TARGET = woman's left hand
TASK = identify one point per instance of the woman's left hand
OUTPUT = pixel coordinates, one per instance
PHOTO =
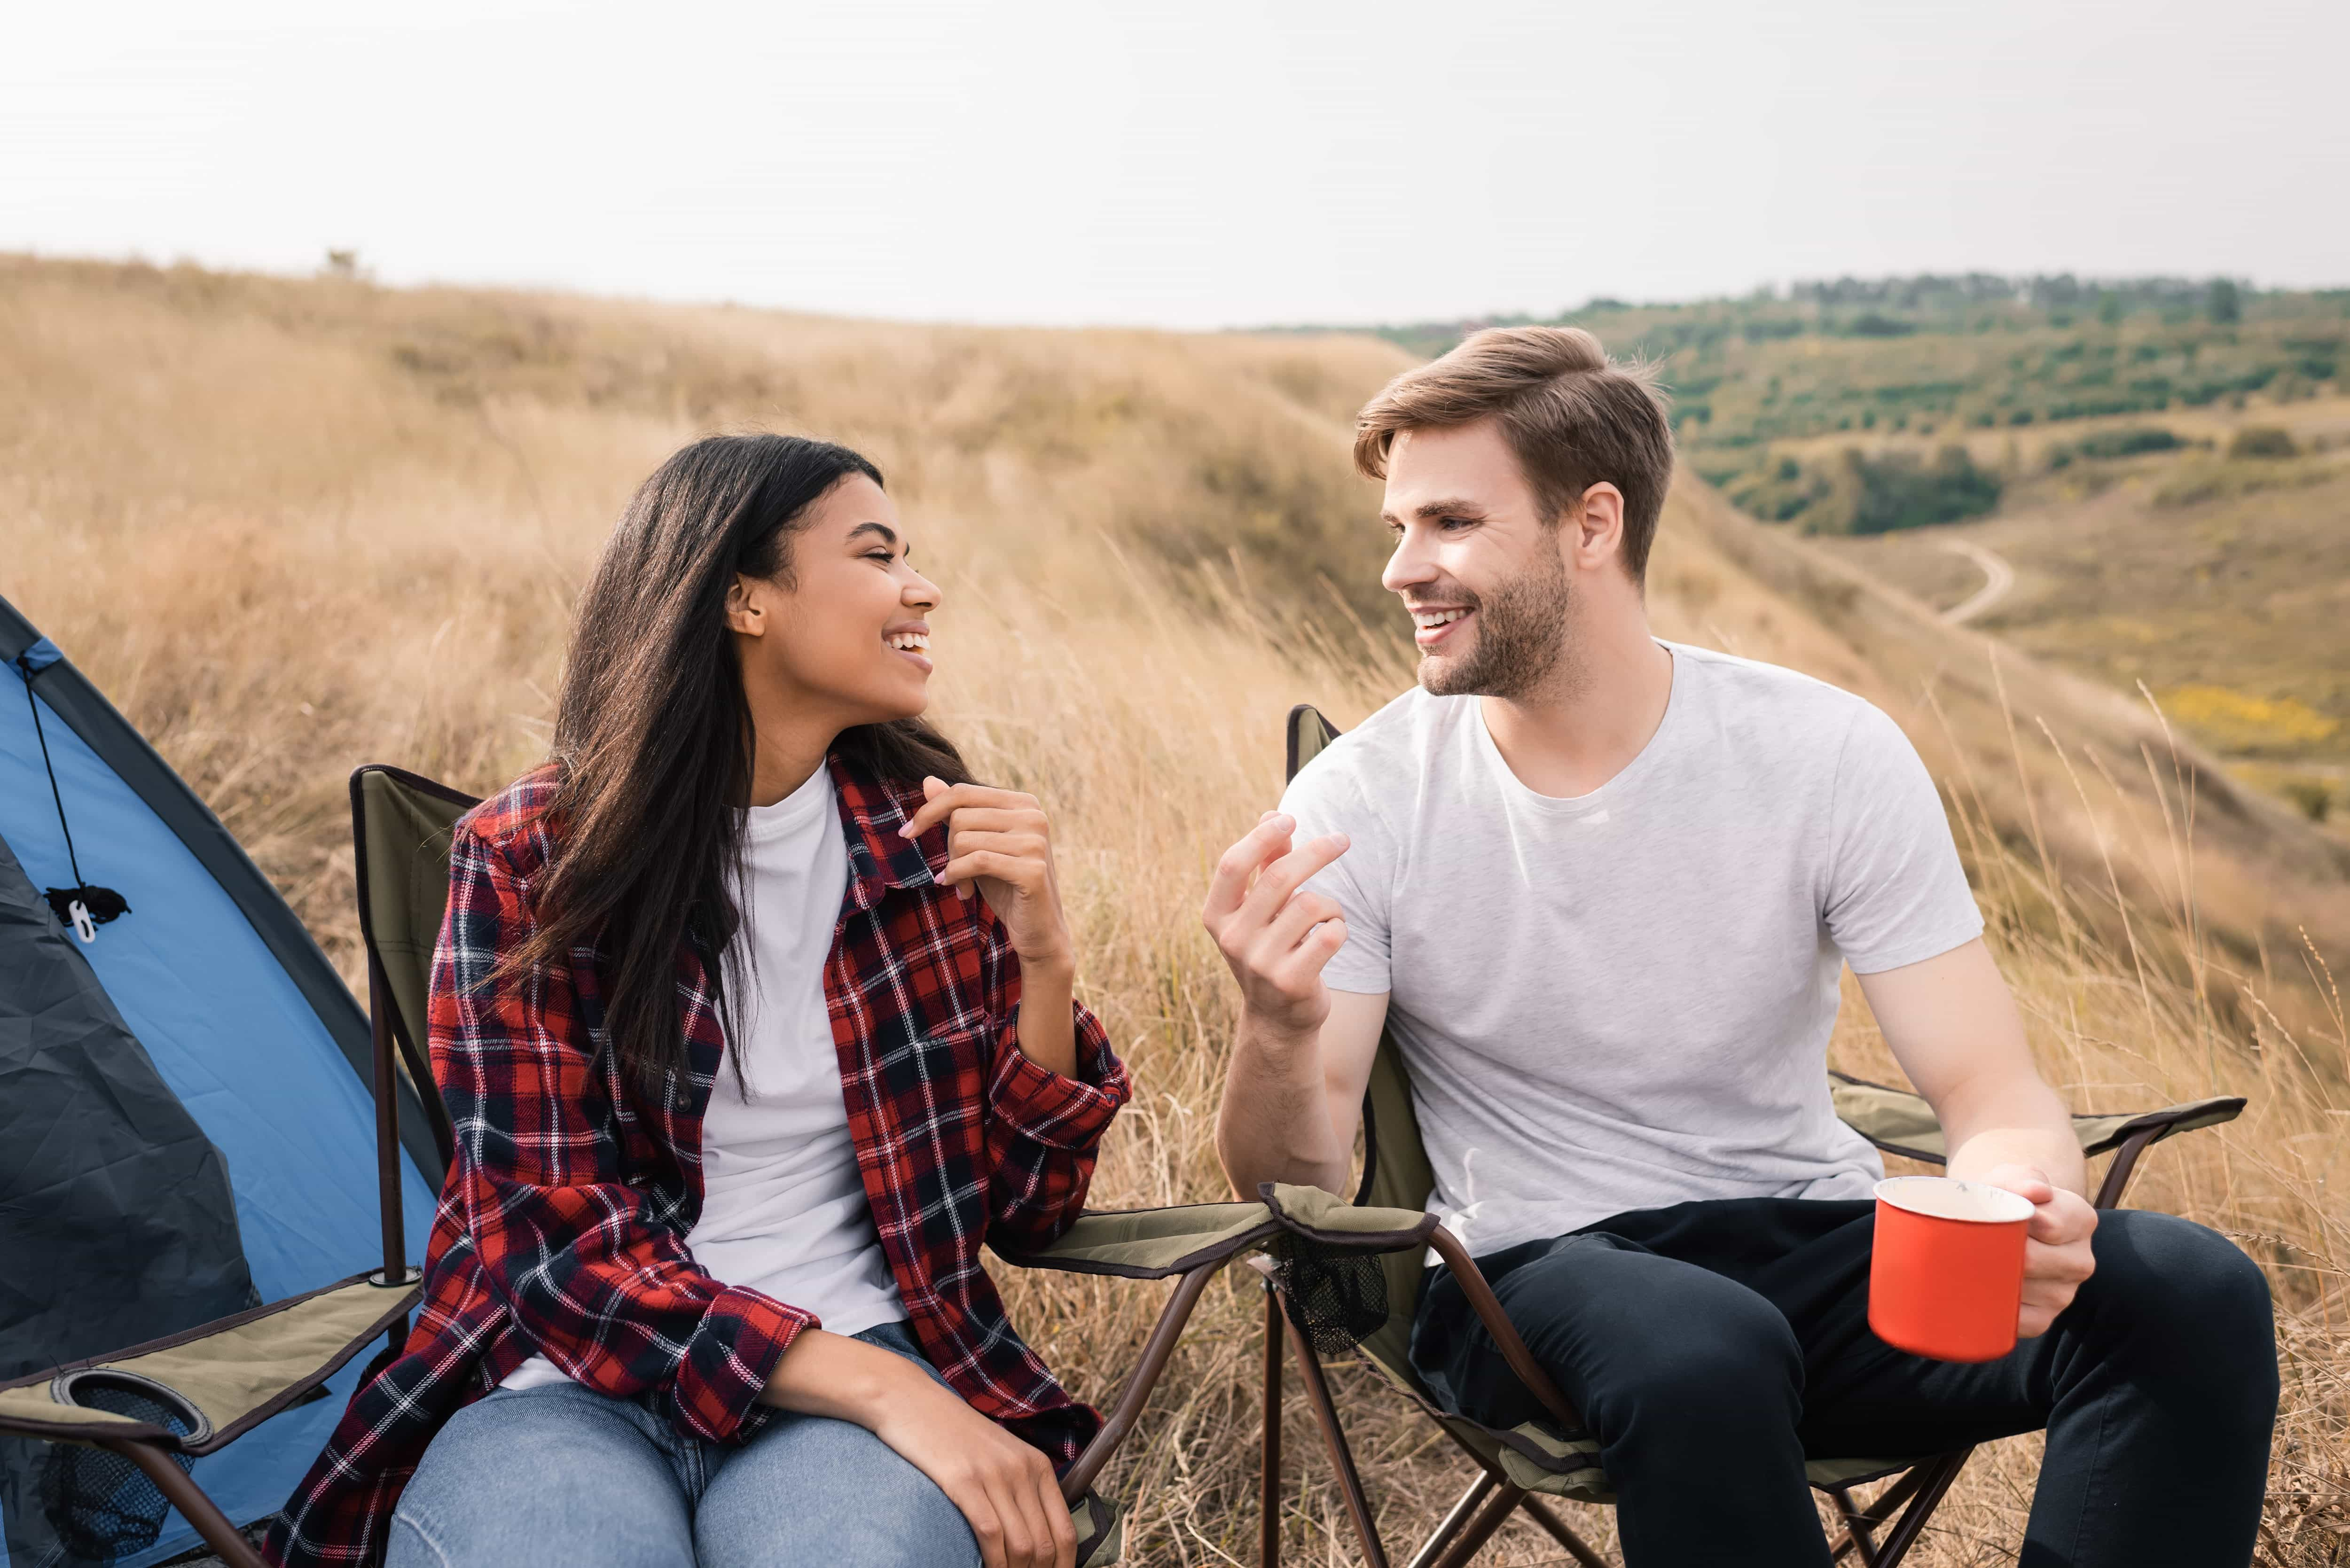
(999, 842)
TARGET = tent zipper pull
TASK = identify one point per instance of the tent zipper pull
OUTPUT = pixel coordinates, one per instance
(84, 928)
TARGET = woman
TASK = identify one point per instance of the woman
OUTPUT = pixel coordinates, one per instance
(741, 1074)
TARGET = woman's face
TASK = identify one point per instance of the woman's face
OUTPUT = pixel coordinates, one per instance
(847, 642)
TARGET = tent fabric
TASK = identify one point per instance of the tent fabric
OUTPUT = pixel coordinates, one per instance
(242, 1021)
(104, 1177)
(70, 701)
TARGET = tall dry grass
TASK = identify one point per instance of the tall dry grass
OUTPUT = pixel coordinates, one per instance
(291, 527)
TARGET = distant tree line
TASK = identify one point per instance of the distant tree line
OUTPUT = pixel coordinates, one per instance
(1933, 354)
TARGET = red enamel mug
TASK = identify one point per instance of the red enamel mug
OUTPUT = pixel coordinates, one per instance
(1946, 1273)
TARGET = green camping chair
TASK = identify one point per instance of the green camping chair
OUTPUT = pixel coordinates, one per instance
(403, 823)
(1519, 1466)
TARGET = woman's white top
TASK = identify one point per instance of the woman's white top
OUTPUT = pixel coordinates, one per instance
(783, 1211)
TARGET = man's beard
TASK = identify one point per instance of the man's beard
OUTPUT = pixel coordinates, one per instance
(1520, 638)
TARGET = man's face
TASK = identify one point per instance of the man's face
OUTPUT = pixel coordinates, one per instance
(1474, 563)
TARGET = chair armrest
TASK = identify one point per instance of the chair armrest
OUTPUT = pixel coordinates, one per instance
(2098, 1133)
(1151, 1243)
(231, 1374)
(1902, 1122)
(1334, 1225)
(1160, 1244)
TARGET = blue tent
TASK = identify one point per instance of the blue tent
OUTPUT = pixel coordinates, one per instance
(186, 1124)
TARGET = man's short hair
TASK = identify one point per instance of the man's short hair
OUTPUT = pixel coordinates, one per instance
(1573, 416)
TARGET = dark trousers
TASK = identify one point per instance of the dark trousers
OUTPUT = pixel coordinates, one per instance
(1712, 1348)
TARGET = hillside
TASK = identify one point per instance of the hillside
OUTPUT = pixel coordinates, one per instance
(291, 527)
(2217, 581)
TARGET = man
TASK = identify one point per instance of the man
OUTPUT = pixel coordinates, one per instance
(1601, 889)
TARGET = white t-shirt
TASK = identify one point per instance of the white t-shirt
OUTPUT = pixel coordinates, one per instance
(1622, 1000)
(783, 1211)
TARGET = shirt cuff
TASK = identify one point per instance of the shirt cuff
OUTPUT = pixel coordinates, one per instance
(730, 1358)
(1050, 1108)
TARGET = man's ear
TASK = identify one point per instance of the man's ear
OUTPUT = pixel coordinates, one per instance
(745, 612)
(1597, 521)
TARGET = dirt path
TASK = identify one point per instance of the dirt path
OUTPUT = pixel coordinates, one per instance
(1998, 577)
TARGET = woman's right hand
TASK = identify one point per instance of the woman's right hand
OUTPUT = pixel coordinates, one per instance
(1005, 1490)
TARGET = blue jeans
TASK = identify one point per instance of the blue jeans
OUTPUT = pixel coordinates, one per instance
(558, 1475)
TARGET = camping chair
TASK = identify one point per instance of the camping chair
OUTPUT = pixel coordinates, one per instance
(1517, 1468)
(403, 823)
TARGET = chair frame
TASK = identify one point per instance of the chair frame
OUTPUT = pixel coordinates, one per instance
(1903, 1510)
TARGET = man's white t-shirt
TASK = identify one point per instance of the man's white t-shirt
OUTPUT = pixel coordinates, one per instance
(1622, 1000)
(783, 1211)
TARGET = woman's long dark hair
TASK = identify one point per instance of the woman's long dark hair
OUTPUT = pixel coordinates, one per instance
(653, 739)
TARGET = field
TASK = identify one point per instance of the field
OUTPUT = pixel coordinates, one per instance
(292, 527)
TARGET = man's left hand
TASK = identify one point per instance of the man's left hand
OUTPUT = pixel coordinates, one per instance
(2056, 1255)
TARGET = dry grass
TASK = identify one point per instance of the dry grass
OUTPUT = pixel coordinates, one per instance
(293, 528)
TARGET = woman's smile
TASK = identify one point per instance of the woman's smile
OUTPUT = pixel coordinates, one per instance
(911, 640)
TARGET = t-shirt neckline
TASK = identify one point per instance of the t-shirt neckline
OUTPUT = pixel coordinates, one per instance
(792, 814)
(1645, 761)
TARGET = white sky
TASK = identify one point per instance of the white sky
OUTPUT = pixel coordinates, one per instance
(1197, 164)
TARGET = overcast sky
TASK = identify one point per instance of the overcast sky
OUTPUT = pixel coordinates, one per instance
(1199, 164)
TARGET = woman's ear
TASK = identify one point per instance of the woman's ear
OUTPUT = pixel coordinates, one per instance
(744, 611)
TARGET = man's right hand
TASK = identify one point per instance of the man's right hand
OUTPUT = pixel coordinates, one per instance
(1277, 938)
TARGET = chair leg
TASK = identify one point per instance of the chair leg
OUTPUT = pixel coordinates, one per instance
(1079, 1477)
(1485, 1482)
(1856, 1527)
(1540, 1512)
(179, 1490)
(1342, 1459)
(1875, 1516)
(1268, 1531)
(1489, 1519)
(1912, 1523)
(2117, 1175)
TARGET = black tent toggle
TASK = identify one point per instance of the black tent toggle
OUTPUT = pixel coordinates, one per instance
(81, 907)
(98, 905)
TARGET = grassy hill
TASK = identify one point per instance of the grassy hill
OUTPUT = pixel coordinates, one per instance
(291, 527)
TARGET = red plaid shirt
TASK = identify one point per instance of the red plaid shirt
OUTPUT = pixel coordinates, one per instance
(562, 1226)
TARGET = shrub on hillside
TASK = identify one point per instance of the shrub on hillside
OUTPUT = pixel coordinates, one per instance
(2127, 442)
(1889, 491)
(2224, 479)
(1778, 490)
(2263, 441)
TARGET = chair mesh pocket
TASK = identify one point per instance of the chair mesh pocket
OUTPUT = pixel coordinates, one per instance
(1337, 1300)
(103, 1507)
